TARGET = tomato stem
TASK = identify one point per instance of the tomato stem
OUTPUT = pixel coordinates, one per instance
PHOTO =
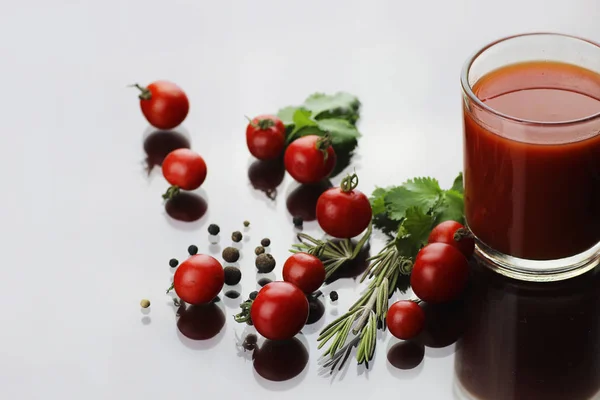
(145, 92)
(349, 183)
(171, 192)
(323, 144)
(244, 315)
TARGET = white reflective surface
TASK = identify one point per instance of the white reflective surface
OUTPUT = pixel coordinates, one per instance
(85, 233)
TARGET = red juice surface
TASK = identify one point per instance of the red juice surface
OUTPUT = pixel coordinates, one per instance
(532, 190)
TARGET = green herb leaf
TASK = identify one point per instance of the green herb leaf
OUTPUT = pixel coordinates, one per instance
(344, 135)
(451, 207)
(286, 115)
(378, 201)
(339, 106)
(458, 184)
(419, 226)
(419, 192)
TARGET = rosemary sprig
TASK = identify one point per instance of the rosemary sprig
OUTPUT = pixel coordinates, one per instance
(333, 254)
(366, 315)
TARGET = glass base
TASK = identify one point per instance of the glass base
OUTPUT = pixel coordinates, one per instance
(536, 270)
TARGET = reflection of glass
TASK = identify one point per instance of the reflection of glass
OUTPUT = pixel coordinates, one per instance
(525, 341)
(532, 145)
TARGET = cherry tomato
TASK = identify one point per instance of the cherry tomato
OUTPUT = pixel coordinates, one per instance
(440, 273)
(185, 169)
(310, 159)
(405, 319)
(265, 137)
(446, 232)
(279, 311)
(164, 104)
(199, 279)
(344, 212)
(305, 271)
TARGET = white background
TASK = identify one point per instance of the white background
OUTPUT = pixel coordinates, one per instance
(85, 235)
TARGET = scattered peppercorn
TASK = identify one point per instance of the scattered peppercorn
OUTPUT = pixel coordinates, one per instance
(266, 242)
(259, 250)
(193, 250)
(233, 275)
(145, 303)
(232, 294)
(333, 296)
(173, 262)
(298, 222)
(265, 263)
(236, 236)
(264, 281)
(231, 254)
(214, 229)
(246, 223)
(253, 295)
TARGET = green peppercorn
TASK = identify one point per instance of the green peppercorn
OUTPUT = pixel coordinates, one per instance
(236, 236)
(214, 229)
(233, 275)
(173, 262)
(259, 250)
(231, 254)
(193, 250)
(265, 263)
(145, 303)
(246, 223)
(266, 242)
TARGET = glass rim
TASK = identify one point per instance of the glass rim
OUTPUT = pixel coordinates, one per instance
(467, 89)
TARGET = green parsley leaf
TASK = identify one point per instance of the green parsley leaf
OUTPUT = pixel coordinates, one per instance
(286, 115)
(458, 184)
(344, 135)
(339, 106)
(419, 192)
(378, 201)
(414, 231)
(451, 207)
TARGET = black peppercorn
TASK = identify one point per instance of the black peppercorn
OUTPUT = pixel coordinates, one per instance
(214, 229)
(193, 250)
(333, 296)
(253, 295)
(231, 254)
(298, 222)
(265, 263)
(173, 262)
(246, 223)
(259, 250)
(236, 236)
(233, 275)
(266, 242)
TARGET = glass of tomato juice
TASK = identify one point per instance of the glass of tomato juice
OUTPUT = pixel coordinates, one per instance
(531, 108)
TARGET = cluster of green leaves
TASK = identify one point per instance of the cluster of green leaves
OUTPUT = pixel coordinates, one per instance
(409, 212)
(322, 114)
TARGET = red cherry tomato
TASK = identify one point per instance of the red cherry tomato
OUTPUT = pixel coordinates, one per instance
(265, 137)
(305, 159)
(184, 168)
(344, 212)
(440, 273)
(445, 233)
(198, 279)
(405, 319)
(279, 311)
(164, 104)
(305, 271)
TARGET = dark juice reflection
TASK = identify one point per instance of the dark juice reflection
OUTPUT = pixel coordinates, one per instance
(531, 190)
(527, 341)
